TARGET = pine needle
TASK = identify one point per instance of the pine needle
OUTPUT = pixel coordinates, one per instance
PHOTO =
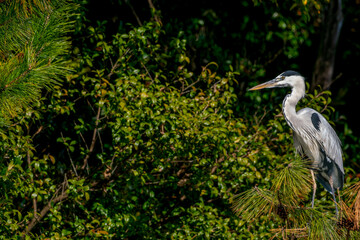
(253, 203)
(290, 186)
(323, 227)
(293, 181)
(33, 48)
(353, 210)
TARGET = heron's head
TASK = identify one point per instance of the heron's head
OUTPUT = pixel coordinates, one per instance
(286, 79)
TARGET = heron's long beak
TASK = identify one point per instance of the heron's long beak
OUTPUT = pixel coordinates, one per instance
(269, 84)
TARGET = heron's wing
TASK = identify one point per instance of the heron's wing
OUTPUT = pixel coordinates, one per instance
(297, 144)
(319, 140)
(316, 129)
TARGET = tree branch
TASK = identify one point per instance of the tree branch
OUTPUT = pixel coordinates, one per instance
(16, 79)
(324, 65)
(32, 182)
(44, 211)
(147, 71)
(93, 141)
(157, 18)
(133, 12)
(67, 149)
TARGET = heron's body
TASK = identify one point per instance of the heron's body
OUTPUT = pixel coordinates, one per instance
(313, 135)
(323, 149)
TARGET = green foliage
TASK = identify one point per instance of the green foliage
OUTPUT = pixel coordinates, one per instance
(135, 144)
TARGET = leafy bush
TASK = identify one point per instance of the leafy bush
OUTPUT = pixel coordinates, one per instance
(136, 145)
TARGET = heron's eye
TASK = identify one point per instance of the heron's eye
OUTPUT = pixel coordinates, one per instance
(282, 77)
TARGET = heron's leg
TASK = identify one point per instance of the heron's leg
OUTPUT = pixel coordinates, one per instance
(313, 197)
(314, 187)
(338, 192)
(333, 194)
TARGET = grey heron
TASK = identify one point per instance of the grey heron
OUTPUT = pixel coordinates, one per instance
(312, 134)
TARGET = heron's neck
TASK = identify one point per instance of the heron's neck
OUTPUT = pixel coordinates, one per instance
(290, 101)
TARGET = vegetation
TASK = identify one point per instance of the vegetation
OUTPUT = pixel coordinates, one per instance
(143, 129)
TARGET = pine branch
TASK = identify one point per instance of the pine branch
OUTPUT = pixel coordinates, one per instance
(253, 203)
(293, 181)
(33, 46)
(291, 185)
